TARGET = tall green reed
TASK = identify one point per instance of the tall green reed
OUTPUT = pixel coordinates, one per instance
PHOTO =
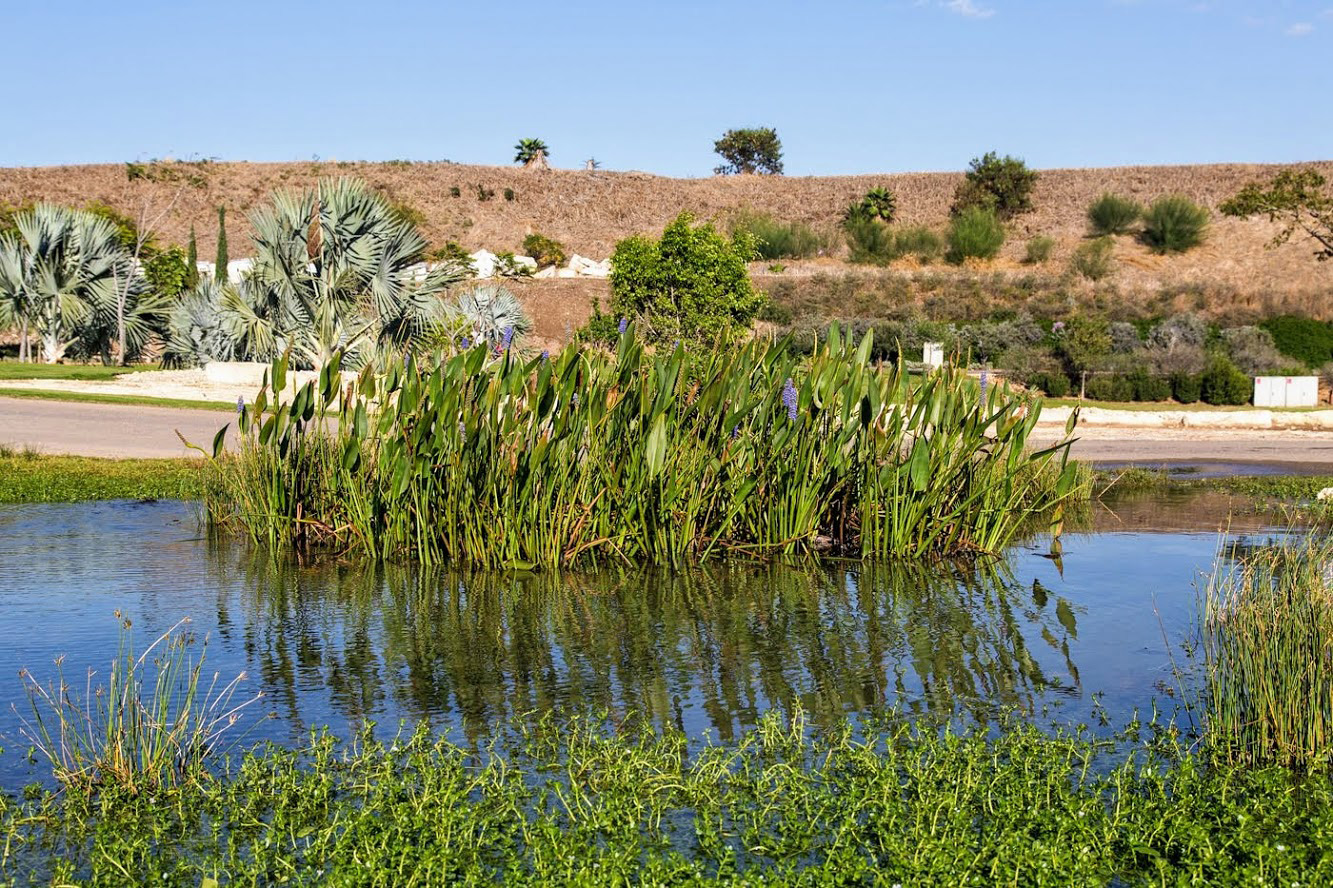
(584, 456)
(155, 722)
(1267, 641)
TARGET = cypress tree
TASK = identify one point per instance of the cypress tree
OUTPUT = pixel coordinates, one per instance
(220, 271)
(191, 262)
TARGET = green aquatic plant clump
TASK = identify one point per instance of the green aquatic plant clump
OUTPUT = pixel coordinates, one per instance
(575, 804)
(1267, 640)
(490, 458)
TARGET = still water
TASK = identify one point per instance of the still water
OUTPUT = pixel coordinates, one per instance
(707, 650)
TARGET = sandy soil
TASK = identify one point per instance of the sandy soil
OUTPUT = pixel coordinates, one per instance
(186, 385)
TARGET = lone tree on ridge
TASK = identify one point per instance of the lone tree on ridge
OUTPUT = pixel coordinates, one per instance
(757, 150)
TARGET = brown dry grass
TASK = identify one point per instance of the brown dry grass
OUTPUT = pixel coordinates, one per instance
(590, 211)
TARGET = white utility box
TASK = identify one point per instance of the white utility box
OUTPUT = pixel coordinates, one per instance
(1286, 391)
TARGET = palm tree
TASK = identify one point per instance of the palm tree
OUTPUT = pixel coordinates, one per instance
(335, 270)
(531, 152)
(61, 275)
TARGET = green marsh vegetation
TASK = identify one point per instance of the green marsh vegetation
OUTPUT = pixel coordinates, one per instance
(490, 458)
(589, 803)
(156, 722)
(1267, 643)
(27, 476)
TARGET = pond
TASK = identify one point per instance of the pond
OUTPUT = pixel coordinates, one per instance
(707, 650)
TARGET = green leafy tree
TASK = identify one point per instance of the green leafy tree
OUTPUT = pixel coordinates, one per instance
(529, 152)
(220, 263)
(1298, 200)
(1000, 184)
(757, 150)
(692, 283)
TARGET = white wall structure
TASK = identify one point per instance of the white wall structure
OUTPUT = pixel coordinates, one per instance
(932, 354)
(1286, 391)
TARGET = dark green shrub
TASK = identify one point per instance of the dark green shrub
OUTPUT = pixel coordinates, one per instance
(779, 240)
(455, 191)
(974, 233)
(918, 241)
(1000, 184)
(1109, 387)
(1112, 214)
(168, 272)
(756, 150)
(1053, 383)
(1039, 249)
(1093, 259)
(1150, 388)
(1224, 383)
(875, 243)
(692, 283)
(1305, 339)
(1186, 387)
(509, 194)
(878, 203)
(545, 250)
(1174, 224)
(452, 251)
(870, 242)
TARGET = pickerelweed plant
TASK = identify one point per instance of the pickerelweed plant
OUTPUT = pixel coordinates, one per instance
(487, 457)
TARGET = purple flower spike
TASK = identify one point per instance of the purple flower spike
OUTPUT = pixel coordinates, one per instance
(466, 343)
(546, 354)
(508, 337)
(624, 322)
(240, 405)
(1058, 327)
(789, 399)
(983, 383)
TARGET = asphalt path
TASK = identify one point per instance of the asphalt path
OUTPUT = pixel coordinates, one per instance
(117, 430)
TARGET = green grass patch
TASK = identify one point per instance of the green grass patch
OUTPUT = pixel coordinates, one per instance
(28, 477)
(132, 400)
(88, 372)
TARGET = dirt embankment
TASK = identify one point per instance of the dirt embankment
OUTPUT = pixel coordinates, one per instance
(494, 207)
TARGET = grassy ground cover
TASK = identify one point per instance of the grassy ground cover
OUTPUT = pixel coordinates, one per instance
(28, 477)
(576, 805)
(30, 370)
(93, 398)
(496, 460)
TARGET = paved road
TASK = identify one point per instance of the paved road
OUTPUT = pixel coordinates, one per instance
(117, 430)
(106, 429)
(1295, 451)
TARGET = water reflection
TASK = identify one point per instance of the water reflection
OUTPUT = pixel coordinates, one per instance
(703, 648)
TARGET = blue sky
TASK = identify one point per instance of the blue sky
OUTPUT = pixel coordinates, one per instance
(851, 85)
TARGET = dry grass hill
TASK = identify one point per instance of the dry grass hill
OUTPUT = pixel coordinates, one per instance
(494, 207)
